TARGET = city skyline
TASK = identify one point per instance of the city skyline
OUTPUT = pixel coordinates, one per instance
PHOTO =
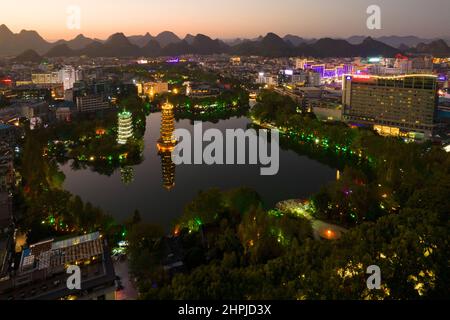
(250, 18)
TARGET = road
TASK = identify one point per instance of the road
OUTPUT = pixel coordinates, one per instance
(129, 292)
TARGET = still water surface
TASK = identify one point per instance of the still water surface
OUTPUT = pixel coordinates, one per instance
(298, 177)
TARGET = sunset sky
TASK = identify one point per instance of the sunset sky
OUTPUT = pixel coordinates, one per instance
(228, 19)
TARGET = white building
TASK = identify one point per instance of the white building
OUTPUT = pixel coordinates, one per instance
(68, 77)
(266, 79)
(79, 74)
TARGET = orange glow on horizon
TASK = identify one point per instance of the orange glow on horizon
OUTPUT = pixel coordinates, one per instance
(251, 18)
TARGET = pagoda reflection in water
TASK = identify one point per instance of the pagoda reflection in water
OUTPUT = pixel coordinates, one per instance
(127, 175)
(166, 145)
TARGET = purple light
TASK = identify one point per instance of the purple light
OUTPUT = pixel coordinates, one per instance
(319, 69)
(173, 60)
(329, 73)
(348, 192)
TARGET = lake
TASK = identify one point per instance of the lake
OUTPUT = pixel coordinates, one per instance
(298, 177)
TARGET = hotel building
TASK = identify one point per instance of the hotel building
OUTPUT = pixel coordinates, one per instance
(91, 103)
(396, 105)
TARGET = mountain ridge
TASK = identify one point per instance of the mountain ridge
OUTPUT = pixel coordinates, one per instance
(168, 43)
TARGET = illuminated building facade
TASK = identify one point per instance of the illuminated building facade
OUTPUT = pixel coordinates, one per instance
(397, 105)
(46, 78)
(125, 127)
(150, 89)
(235, 61)
(166, 145)
(91, 103)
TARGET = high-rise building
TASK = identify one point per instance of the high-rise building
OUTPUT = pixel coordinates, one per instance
(125, 127)
(6, 166)
(68, 77)
(6, 213)
(79, 74)
(91, 103)
(314, 79)
(396, 105)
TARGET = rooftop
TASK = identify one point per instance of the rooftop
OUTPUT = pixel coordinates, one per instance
(4, 126)
(41, 273)
(52, 254)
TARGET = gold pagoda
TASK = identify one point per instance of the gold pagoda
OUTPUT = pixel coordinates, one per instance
(166, 145)
(167, 141)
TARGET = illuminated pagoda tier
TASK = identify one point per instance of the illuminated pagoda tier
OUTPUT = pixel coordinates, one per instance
(127, 175)
(167, 140)
(166, 145)
(125, 127)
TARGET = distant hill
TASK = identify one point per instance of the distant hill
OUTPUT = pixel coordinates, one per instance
(167, 37)
(205, 45)
(438, 48)
(396, 41)
(393, 41)
(141, 41)
(28, 56)
(177, 48)
(117, 45)
(294, 40)
(168, 43)
(337, 48)
(78, 43)
(372, 47)
(189, 38)
(16, 43)
(151, 49)
(271, 45)
(61, 50)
